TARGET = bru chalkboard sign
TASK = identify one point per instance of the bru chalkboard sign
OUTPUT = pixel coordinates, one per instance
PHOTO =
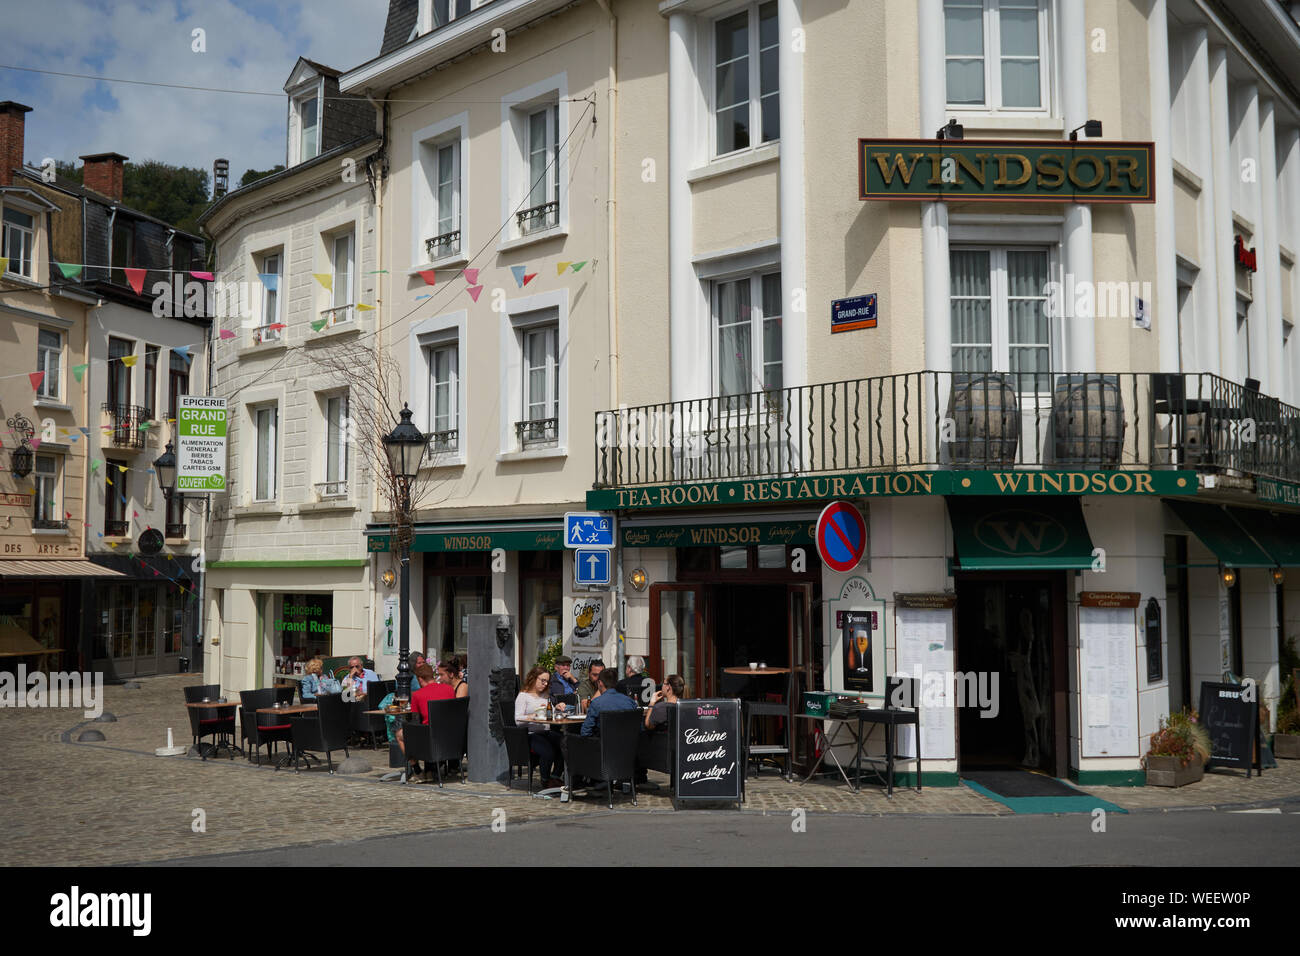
(1233, 725)
(709, 762)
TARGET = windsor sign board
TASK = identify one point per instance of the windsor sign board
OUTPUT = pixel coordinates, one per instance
(201, 438)
(994, 170)
(708, 759)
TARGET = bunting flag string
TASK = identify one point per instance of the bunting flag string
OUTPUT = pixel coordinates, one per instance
(325, 279)
(36, 378)
(318, 324)
(69, 270)
(471, 276)
(519, 274)
(80, 370)
(474, 292)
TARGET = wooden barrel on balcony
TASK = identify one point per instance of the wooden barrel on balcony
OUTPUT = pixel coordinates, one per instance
(985, 416)
(1088, 420)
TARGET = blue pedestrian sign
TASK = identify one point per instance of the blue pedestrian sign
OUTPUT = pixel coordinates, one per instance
(588, 529)
(591, 566)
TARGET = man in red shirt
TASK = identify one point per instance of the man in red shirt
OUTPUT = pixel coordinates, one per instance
(430, 689)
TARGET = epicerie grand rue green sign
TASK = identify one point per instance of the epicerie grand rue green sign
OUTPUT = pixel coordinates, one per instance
(201, 444)
(995, 170)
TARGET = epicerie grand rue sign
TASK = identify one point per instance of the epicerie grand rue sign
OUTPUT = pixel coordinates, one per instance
(996, 170)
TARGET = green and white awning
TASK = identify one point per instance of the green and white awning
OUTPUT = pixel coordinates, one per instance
(1020, 533)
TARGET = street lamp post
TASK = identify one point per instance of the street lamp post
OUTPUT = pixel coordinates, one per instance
(405, 446)
(164, 467)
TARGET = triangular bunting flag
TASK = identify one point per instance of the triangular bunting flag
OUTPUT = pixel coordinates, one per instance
(325, 279)
(276, 325)
(100, 533)
(184, 352)
(226, 334)
(135, 277)
(377, 272)
(74, 438)
(270, 279)
(144, 426)
(67, 514)
(519, 274)
(94, 465)
(36, 443)
(202, 276)
(4, 264)
(318, 324)
(530, 277)
(561, 266)
(122, 469)
(84, 430)
(471, 276)
(474, 291)
(109, 479)
(577, 266)
(130, 360)
(135, 514)
(79, 371)
(69, 271)
(362, 307)
(429, 276)
(36, 378)
(427, 295)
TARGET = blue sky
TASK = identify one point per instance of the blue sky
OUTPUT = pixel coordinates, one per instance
(250, 45)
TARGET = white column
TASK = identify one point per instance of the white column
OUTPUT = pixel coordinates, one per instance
(1080, 325)
(688, 342)
(1269, 276)
(1165, 308)
(794, 327)
(1253, 201)
(1203, 147)
(934, 215)
(1220, 143)
(1290, 139)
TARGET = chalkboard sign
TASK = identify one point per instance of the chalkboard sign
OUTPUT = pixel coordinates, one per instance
(710, 766)
(1233, 725)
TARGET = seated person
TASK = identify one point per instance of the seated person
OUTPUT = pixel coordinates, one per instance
(564, 685)
(542, 740)
(610, 698)
(587, 687)
(450, 674)
(430, 689)
(311, 680)
(358, 676)
(637, 685)
(656, 715)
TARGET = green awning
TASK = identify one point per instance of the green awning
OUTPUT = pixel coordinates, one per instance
(996, 533)
(1277, 534)
(525, 535)
(1221, 534)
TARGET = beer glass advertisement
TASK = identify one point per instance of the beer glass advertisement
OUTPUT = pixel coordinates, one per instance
(859, 629)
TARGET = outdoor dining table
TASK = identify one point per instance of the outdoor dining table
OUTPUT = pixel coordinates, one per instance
(827, 744)
(221, 739)
(288, 710)
(763, 708)
(566, 724)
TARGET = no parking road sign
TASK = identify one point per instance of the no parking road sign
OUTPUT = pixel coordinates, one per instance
(841, 536)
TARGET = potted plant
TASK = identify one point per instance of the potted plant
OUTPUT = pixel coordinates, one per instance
(1179, 751)
(1286, 740)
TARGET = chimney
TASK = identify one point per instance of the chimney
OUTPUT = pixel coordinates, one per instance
(12, 122)
(102, 172)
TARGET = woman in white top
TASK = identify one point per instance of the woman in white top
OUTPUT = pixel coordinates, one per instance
(542, 740)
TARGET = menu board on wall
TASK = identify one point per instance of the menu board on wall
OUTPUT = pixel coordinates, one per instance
(1108, 681)
(925, 651)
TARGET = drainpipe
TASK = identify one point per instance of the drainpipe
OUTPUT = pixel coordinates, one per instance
(611, 208)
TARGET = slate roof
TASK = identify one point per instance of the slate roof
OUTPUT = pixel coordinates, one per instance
(402, 17)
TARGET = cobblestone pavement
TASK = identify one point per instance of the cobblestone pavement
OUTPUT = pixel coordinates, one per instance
(67, 803)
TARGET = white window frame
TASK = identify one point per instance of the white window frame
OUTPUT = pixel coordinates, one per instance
(520, 315)
(336, 422)
(425, 144)
(452, 349)
(548, 332)
(262, 334)
(426, 337)
(272, 410)
(51, 387)
(55, 511)
(999, 311)
(992, 57)
(425, 23)
(516, 181)
(758, 360)
(28, 235)
(341, 297)
(312, 89)
(709, 74)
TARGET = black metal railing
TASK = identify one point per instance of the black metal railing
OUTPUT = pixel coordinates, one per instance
(123, 425)
(447, 244)
(50, 524)
(538, 218)
(340, 315)
(332, 489)
(115, 529)
(445, 442)
(171, 530)
(538, 431)
(969, 420)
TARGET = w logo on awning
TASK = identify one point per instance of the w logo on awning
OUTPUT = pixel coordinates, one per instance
(1021, 533)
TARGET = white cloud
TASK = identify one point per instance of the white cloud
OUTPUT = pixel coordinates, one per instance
(249, 47)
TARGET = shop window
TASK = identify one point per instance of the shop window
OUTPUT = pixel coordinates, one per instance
(996, 54)
(457, 584)
(302, 627)
(746, 90)
(541, 601)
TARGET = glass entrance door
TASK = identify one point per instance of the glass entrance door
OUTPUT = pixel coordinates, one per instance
(805, 657)
(675, 629)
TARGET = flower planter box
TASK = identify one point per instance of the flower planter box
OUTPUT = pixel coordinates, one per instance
(1168, 772)
(1286, 746)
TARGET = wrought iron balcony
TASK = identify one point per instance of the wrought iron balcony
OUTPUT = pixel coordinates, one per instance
(171, 530)
(966, 420)
(446, 442)
(538, 218)
(439, 247)
(122, 424)
(342, 315)
(537, 432)
(50, 524)
(115, 529)
(265, 334)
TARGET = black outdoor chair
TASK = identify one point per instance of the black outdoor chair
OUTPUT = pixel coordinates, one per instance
(204, 723)
(519, 753)
(612, 755)
(325, 730)
(654, 749)
(443, 738)
(372, 725)
(249, 701)
(282, 695)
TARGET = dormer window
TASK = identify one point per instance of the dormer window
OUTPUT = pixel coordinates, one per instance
(309, 122)
(439, 13)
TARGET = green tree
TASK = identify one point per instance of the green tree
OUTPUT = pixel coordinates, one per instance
(253, 175)
(174, 194)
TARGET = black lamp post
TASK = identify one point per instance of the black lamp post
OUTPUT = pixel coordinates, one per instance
(405, 446)
(164, 467)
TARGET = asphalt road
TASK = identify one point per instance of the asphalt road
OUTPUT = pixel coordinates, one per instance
(711, 838)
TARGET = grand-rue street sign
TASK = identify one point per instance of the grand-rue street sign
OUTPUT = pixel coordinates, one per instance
(893, 484)
(994, 170)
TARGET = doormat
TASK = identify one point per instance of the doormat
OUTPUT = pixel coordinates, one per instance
(1025, 792)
